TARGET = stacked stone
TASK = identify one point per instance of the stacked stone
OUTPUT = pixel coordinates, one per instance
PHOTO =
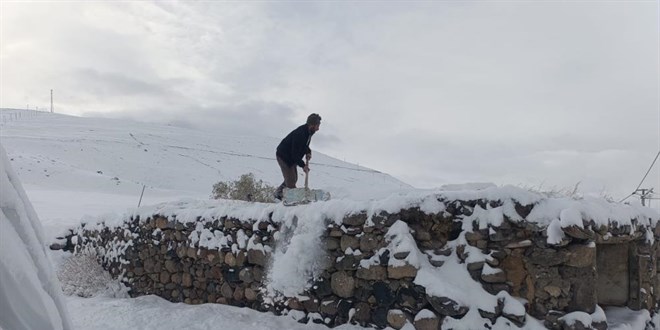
(161, 260)
(557, 279)
(346, 292)
(359, 283)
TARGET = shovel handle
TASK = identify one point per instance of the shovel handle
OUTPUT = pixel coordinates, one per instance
(307, 175)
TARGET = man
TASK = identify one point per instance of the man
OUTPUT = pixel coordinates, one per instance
(291, 151)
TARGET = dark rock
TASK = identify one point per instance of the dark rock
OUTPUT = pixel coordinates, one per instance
(343, 307)
(348, 262)
(383, 294)
(322, 288)
(547, 257)
(579, 233)
(231, 275)
(369, 243)
(362, 313)
(186, 280)
(227, 291)
(411, 297)
(599, 325)
(379, 316)
(329, 307)
(384, 258)
(448, 307)
(347, 241)
(257, 257)
(245, 275)
(401, 255)
(491, 315)
(331, 243)
(239, 293)
(355, 219)
(311, 305)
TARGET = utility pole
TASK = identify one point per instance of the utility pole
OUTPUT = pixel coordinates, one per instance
(645, 194)
(51, 101)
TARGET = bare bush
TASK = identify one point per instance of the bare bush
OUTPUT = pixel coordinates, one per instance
(246, 188)
(554, 191)
(82, 275)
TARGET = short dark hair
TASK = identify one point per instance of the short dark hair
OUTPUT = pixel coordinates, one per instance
(314, 119)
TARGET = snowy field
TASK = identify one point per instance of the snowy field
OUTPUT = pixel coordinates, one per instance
(73, 168)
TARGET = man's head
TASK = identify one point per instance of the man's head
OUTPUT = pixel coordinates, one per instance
(314, 122)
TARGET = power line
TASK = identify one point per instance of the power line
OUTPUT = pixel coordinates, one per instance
(644, 178)
(647, 172)
(621, 201)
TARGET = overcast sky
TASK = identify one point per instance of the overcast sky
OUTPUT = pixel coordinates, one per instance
(544, 94)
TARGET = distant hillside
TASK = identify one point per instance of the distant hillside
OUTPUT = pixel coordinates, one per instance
(67, 153)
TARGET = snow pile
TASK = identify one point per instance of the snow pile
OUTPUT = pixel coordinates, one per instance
(298, 256)
(30, 295)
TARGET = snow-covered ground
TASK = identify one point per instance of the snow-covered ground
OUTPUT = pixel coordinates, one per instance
(74, 167)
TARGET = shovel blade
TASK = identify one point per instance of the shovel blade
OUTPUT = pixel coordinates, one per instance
(297, 196)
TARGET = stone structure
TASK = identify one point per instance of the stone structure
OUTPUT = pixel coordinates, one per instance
(369, 273)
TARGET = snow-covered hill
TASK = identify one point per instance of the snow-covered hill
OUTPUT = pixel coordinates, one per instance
(73, 166)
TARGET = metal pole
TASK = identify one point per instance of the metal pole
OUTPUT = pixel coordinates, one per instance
(51, 101)
(140, 202)
(643, 195)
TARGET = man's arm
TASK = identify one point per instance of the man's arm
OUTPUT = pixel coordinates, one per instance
(297, 145)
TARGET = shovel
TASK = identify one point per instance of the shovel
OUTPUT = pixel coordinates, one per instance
(298, 196)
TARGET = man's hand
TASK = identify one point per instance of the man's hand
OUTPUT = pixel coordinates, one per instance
(308, 156)
(306, 169)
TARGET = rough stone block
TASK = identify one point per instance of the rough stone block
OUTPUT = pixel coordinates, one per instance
(376, 273)
(400, 272)
(343, 285)
(396, 318)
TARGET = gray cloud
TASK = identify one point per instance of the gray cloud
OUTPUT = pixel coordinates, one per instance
(434, 93)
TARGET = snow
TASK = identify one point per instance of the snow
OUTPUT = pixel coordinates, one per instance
(570, 217)
(511, 305)
(425, 314)
(154, 313)
(30, 295)
(298, 257)
(485, 218)
(623, 318)
(555, 233)
(69, 165)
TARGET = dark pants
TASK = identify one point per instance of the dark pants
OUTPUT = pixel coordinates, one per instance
(290, 174)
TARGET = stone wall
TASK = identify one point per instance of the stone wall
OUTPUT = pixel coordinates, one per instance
(370, 263)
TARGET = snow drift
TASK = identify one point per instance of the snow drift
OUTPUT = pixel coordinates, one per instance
(30, 295)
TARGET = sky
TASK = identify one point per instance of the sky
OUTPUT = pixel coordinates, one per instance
(542, 94)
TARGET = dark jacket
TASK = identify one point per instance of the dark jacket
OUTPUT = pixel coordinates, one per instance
(295, 145)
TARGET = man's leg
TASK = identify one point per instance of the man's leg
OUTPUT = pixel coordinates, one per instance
(290, 175)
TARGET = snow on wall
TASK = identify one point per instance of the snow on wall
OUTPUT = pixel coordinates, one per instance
(545, 210)
(30, 294)
(443, 276)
